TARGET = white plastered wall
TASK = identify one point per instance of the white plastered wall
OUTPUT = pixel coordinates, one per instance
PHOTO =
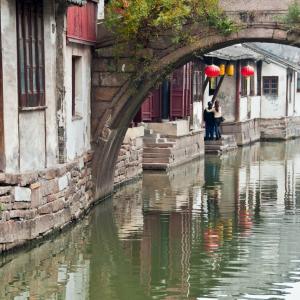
(274, 107)
(78, 127)
(31, 136)
(297, 100)
(10, 84)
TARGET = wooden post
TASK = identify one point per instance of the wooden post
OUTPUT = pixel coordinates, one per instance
(238, 91)
(217, 89)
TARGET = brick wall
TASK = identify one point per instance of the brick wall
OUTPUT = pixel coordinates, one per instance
(37, 203)
(130, 160)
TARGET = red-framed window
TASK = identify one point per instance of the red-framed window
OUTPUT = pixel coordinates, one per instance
(31, 67)
(81, 22)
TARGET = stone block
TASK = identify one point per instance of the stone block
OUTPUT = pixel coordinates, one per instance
(105, 93)
(63, 183)
(45, 209)
(112, 79)
(41, 225)
(22, 194)
(81, 163)
(22, 214)
(4, 190)
(35, 185)
(58, 205)
(28, 178)
(21, 205)
(37, 199)
(48, 174)
(49, 187)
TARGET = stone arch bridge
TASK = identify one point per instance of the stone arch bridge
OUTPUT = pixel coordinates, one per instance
(117, 96)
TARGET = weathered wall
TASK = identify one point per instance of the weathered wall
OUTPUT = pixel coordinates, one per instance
(78, 126)
(280, 128)
(274, 106)
(129, 163)
(37, 203)
(245, 132)
(227, 95)
(32, 142)
(10, 84)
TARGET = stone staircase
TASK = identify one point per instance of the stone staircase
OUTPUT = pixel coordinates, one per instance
(225, 144)
(157, 152)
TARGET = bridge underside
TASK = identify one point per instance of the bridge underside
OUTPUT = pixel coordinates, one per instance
(118, 94)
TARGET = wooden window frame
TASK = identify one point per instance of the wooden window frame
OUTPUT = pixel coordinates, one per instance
(31, 53)
(252, 86)
(298, 82)
(268, 80)
(244, 86)
(259, 77)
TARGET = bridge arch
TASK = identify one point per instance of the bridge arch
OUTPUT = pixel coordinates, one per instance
(117, 96)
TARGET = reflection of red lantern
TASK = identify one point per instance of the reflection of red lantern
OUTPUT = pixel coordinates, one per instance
(212, 71)
(247, 71)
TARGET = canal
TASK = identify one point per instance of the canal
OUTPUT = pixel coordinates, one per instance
(221, 228)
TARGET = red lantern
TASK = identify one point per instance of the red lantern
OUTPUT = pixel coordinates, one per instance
(212, 71)
(247, 71)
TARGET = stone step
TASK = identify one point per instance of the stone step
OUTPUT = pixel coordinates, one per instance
(153, 155)
(152, 140)
(148, 131)
(160, 145)
(216, 147)
(155, 166)
(157, 159)
(157, 150)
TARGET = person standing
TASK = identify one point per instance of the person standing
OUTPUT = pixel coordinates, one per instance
(218, 119)
(209, 119)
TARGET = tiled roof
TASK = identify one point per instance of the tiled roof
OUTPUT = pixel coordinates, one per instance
(77, 2)
(235, 52)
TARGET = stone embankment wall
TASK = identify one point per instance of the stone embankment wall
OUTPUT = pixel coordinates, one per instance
(280, 128)
(130, 161)
(35, 204)
(263, 129)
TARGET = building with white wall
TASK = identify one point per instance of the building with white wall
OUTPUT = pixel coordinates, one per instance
(264, 105)
(46, 52)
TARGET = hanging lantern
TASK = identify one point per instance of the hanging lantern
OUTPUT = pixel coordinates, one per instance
(222, 69)
(247, 71)
(212, 71)
(230, 70)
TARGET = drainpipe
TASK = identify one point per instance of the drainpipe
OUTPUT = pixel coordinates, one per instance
(238, 91)
(60, 19)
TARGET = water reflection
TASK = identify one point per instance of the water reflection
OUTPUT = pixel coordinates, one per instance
(220, 228)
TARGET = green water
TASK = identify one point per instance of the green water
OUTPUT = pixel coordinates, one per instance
(219, 228)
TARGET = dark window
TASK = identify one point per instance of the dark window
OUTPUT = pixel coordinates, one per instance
(76, 86)
(244, 86)
(73, 85)
(298, 82)
(259, 68)
(252, 89)
(197, 85)
(30, 36)
(270, 85)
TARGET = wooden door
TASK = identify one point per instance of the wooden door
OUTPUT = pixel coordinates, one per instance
(156, 105)
(177, 94)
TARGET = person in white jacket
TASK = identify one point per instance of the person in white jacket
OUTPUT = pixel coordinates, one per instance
(218, 119)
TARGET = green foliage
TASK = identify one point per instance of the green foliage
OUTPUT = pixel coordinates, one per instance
(293, 16)
(139, 21)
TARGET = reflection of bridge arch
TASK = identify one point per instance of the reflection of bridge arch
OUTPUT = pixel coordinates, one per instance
(117, 97)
